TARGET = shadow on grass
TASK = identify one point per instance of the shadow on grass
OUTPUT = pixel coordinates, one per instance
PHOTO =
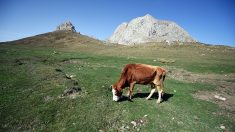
(124, 98)
(165, 97)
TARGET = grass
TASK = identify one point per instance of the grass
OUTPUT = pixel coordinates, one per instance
(30, 91)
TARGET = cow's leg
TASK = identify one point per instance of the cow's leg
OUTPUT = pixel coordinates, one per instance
(128, 92)
(158, 83)
(160, 91)
(151, 93)
(162, 87)
(131, 89)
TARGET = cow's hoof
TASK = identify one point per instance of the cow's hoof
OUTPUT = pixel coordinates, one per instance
(147, 98)
(158, 101)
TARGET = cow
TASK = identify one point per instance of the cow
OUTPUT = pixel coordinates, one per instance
(140, 74)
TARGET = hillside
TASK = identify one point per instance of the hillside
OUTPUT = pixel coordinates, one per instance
(59, 81)
(56, 38)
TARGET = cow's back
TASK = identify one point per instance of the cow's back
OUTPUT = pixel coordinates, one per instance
(139, 73)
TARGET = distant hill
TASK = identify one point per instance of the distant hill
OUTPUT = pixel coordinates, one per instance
(56, 38)
(65, 34)
(148, 29)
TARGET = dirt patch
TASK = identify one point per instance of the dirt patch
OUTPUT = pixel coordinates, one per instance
(22, 61)
(163, 60)
(223, 96)
(224, 93)
(72, 61)
(73, 89)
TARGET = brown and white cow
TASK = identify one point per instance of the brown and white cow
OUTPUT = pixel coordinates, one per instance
(140, 74)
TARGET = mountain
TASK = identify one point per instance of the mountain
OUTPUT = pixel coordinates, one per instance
(148, 29)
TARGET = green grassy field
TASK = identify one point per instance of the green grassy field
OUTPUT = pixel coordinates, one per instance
(34, 77)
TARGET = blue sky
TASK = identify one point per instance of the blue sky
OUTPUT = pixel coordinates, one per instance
(208, 21)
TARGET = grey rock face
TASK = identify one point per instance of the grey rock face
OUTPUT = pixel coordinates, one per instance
(148, 29)
(66, 26)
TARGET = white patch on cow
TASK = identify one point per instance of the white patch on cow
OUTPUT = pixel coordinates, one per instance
(151, 93)
(115, 97)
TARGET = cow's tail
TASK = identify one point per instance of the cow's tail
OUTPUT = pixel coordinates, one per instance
(164, 75)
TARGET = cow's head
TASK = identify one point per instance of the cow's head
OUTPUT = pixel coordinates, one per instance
(116, 93)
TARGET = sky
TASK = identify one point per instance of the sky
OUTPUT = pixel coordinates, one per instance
(207, 21)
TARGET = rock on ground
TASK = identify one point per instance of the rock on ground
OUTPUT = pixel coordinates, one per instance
(66, 26)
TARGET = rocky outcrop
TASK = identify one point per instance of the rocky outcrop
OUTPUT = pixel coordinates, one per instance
(66, 26)
(148, 29)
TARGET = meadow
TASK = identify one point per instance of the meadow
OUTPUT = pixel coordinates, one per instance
(35, 73)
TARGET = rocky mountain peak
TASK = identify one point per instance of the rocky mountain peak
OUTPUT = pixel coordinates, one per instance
(66, 26)
(148, 17)
(148, 29)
